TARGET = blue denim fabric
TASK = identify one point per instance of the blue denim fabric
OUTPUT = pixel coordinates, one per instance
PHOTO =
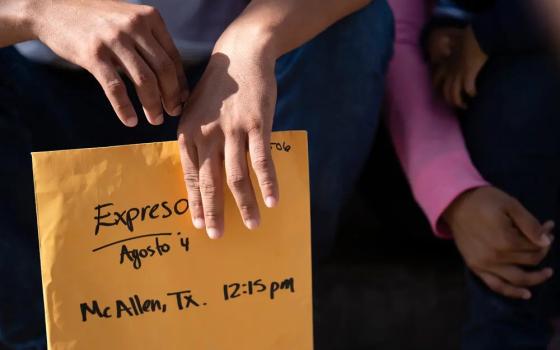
(450, 9)
(511, 130)
(332, 87)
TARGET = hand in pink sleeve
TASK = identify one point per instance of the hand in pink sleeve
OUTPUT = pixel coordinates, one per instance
(430, 145)
(425, 132)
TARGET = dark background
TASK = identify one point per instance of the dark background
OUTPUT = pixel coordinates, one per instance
(391, 284)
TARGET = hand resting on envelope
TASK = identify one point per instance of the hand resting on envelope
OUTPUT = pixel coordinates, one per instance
(229, 113)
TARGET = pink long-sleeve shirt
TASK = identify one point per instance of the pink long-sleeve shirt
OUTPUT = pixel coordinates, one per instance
(426, 133)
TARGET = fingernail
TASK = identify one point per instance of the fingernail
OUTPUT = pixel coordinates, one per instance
(213, 233)
(251, 224)
(159, 119)
(270, 201)
(177, 111)
(131, 122)
(198, 223)
(546, 239)
(526, 295)
(549, 272)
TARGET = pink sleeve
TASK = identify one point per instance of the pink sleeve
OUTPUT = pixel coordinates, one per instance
(425, 132)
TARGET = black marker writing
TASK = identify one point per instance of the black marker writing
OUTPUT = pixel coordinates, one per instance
(127, 217)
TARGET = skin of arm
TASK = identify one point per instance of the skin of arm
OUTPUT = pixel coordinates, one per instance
(230, 112)
(277, 27)
(15, 23)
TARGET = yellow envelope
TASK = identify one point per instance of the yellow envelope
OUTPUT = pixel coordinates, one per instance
(123, 267)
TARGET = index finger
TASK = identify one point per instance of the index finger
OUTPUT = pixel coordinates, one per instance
(164, 38)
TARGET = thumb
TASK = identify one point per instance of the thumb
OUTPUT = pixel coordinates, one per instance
(528, 224)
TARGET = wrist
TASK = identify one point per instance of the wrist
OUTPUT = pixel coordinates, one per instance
(28, 18)
(456, 205)
(249, 42)
(17, 19)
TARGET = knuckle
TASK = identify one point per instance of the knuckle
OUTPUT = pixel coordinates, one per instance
(186, 133)
(267, 182)
(195, 204)
(135, 21)
(533, 260)
(496, 255)
(502, 246)
(97, 50)
(522, 279)
(145, 79)
(211, 214)
(479, 264)
(191, 179)
(196, 208)
(499, 252)
(531, 280)
(254, 125)
(246, 208)
(488, 259)
(116, 87)
(261, 163)
(122, 105)
(237, 181)
(538, 258)
(208, 130)
(182, 136)
(115, 36)
(507, 292)
(497, 287)
(207, 187)
(541, 255)
(232, 133)
(150, 11)
(164, 66)
(211, 133)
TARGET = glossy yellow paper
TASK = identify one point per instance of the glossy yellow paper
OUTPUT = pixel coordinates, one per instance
(123, 267)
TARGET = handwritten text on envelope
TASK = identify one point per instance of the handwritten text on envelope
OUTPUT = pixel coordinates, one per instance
(123, 267)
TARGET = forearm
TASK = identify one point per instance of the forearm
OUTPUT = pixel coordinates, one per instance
(425, 132)
(274, 27)
(16, 21)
